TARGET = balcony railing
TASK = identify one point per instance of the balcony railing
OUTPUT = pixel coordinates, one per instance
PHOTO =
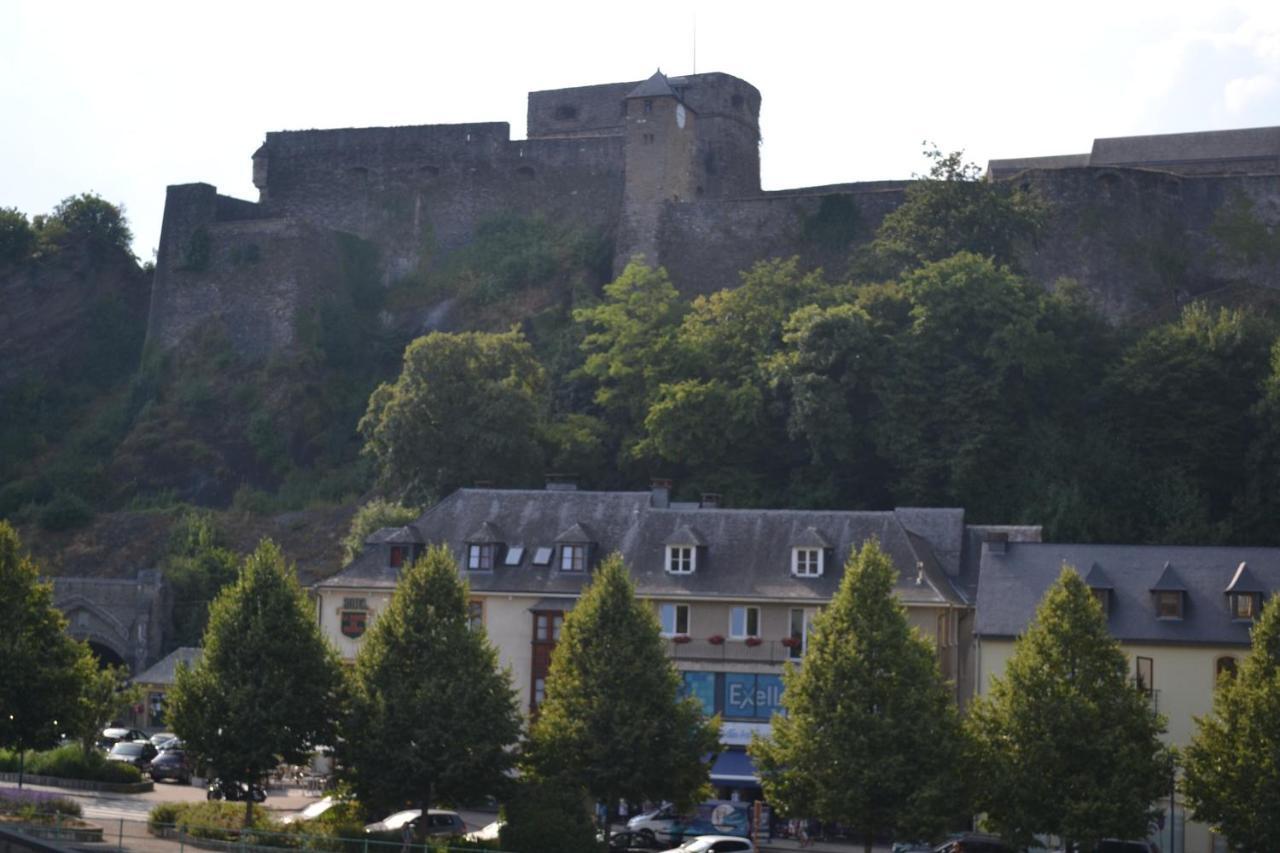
(731, 651)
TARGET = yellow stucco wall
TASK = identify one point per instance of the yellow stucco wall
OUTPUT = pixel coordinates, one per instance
(1183, 678)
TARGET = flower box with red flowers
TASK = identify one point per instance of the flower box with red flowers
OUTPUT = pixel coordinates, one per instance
(715, 640)
(754, 641)
(681, 638)
(791, 642)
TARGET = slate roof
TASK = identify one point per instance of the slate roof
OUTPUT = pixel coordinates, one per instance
(655, 87)
(165, 670)
(486, 533)
(1011, 586)
(747, 551)
(1242, 143)
(1097, 578)
(393, 535)
(1244, 581)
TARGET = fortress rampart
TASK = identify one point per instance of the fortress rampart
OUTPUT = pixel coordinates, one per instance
(667, 169)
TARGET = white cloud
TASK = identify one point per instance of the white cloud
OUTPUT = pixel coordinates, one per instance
(1241, 92)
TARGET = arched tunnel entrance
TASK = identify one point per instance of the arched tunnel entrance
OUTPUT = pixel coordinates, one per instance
(106, 655)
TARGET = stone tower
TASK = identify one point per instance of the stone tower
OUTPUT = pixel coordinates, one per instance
(661, 149)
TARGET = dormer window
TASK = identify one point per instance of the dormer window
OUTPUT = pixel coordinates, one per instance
(1244, 594)
(1244, 606)
(398, 555)
(807, 562)
(1168, 604)
(573, 558)
(480, 556)
(682, 559)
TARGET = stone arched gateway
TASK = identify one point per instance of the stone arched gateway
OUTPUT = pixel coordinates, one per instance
(123, 620)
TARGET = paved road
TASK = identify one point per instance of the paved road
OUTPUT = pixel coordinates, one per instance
(110, 806)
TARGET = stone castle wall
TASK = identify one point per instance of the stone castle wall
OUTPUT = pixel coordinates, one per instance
(1138, 237)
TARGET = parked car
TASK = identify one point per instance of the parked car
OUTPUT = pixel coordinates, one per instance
(136, 752)
(715, 844)
(172, 763)
(312, 811)
(1114, 845)
(160, 739)
(973, 842)
(439, 822)
(713, 817)
(488, 832)
(114, 734)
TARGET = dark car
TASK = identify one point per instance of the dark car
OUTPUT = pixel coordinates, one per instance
(113, 735)
(171, 764)
(628, 840)
(136, 752)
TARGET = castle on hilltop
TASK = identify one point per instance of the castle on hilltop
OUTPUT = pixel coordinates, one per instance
(667, 169)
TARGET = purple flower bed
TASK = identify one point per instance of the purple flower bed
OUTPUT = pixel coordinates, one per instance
(13, 800)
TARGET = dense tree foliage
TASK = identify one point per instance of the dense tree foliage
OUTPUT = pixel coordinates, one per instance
(1066, 745)
(465, 407)
(613, 722)
(105, 693)
(1231, 776)
(871, 734)
(952, 209)
(197, 566)
(268, 686)
(431, 717)
(41, 668)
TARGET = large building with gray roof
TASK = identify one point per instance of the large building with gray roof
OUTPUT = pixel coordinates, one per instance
(734, 589)
(1182, 615)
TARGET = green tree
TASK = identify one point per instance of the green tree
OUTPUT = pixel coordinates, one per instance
(871, 731)
(1231, 776)
(17, 237)
(268, 686)
(431, 716)
(89, 216)
(949, 210)
(371, 517)
(197, 567)
(1067, 745)
(630, 343)
(613, 722)
(40, 666)
(105, 692)
(547, 817)
(465, 407)
(1180, 398)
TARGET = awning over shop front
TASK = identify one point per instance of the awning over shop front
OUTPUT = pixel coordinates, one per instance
(734, 767)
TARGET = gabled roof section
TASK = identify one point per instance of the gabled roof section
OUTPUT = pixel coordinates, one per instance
(1097, 578)
(811, 537)
(394, 536)
(1169, 581)
(930, 571)
(686, 535)
(486, 533)
(576, 534)
(1244, 581)
(165, 670)
(655, 87)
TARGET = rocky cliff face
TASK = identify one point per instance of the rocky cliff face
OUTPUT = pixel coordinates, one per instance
(70, 312)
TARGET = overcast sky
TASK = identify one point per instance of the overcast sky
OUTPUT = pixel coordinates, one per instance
(124, 98)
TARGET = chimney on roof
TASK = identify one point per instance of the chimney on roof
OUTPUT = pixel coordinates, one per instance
(659, 493)
(996, 542)
(710, 500)
(562, 482)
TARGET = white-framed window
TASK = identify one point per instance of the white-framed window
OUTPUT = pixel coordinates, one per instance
(674, 618)
(744, 622)
(573, 558)
(806, 562)
(682, 559)
(480, 557)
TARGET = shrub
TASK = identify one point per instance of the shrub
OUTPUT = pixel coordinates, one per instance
(70, 762)
(17, 237)
(13, 801)
(66, 511)
(546, 818)
(91, 216)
